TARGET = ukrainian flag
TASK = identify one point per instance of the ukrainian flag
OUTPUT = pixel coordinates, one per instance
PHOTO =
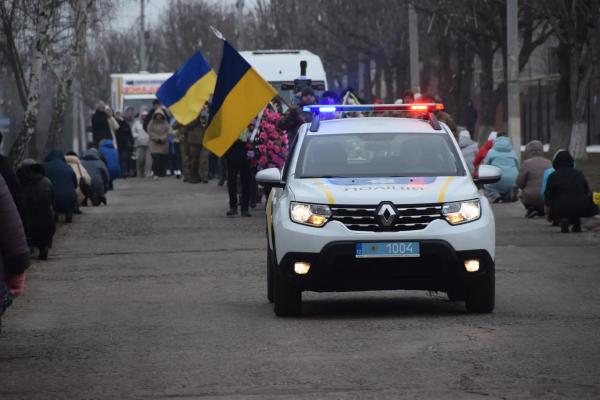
(239, 97)
(186, 92)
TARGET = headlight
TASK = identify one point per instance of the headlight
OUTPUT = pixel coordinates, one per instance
(462, 211)
(309, 214)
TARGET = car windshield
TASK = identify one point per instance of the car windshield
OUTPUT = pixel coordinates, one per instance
(378, 155)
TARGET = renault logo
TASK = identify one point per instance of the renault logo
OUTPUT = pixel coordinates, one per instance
(386, 214)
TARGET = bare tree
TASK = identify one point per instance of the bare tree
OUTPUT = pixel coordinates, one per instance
(78, 24)
(43, 16)
(576, 25)
(481, 25)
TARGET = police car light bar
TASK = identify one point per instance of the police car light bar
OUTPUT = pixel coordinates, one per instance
(420, 108)
(374, 107)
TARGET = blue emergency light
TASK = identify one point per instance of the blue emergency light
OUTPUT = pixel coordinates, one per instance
(419, 109)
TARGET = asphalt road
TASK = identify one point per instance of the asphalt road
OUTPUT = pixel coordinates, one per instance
(159, 296)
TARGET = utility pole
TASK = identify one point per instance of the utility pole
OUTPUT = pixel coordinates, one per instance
(513, 92)
(143, 63)
(413, 40)
(239, 16)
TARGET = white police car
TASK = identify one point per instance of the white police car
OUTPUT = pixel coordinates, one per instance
(378, 204)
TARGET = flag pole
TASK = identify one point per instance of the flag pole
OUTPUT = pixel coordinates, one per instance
(217, 33)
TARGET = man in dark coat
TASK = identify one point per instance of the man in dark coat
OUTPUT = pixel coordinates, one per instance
(295, 117)
(14, 252)
(100, 123)
(237, 162)
(8, 173)
(568, 194)
(64, 182)
(100, 177)
(124, 144)
(38, 194)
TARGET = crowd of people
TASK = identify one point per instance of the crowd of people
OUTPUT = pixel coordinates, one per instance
(552, 189)
(38, 195)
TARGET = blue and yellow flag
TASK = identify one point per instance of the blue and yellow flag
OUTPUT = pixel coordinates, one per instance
(241, 93)
(186, 92)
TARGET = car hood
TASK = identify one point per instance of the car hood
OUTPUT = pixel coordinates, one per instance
(372, 191)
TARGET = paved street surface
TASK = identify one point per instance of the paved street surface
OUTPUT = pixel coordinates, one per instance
(159, 295)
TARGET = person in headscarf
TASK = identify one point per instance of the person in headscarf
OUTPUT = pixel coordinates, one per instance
(38, 195)
(502, 155)
(530, 178)
(568, 194)
(64, 182)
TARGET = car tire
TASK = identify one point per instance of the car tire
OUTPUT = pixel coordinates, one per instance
(270, 261)
(481, 294)
(288, 298)
(456, 295)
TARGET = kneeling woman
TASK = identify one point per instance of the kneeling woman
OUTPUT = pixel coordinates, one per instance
(568, 194)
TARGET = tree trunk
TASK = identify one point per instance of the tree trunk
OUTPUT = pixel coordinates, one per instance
(389, 83)
(58, 114)
(377, 78)
(581, 75)
(488, 101)
(562, 126)
(80, 12)
(578, 141)
(43, 18)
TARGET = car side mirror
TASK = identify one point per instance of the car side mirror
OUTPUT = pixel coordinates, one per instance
(487, 174)
(270, 177)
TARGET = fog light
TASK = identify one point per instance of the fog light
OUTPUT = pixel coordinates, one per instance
(301, 268)
(472, 265)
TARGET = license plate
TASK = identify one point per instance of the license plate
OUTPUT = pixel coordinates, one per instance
(387, 249)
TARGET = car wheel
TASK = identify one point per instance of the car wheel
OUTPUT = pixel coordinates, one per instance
(288, 298)
(270, 275)
(456, 295)
(481, 294)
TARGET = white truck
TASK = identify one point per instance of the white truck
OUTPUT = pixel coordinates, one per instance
(282, 69)
(135, 90)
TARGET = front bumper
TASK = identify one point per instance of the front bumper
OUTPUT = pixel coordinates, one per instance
(439, 268)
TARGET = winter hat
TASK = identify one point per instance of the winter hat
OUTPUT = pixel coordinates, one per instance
(535, 148)
(493, 135)
(307, 92)
(563, 159)
(464, 134)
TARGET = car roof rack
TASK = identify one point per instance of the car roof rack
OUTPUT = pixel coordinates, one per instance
(419, 109)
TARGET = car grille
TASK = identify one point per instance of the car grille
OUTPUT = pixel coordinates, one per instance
(409, 217)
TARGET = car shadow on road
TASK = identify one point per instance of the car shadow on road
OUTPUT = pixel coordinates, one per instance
(381, 307)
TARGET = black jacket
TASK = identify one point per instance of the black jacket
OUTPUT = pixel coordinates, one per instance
(568, 194)
(38, 196)
(124, 137)
(100, 126)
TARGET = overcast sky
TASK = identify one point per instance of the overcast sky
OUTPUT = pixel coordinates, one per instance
(128, 11)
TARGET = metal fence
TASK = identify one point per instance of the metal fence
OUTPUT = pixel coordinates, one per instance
(538, 110)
